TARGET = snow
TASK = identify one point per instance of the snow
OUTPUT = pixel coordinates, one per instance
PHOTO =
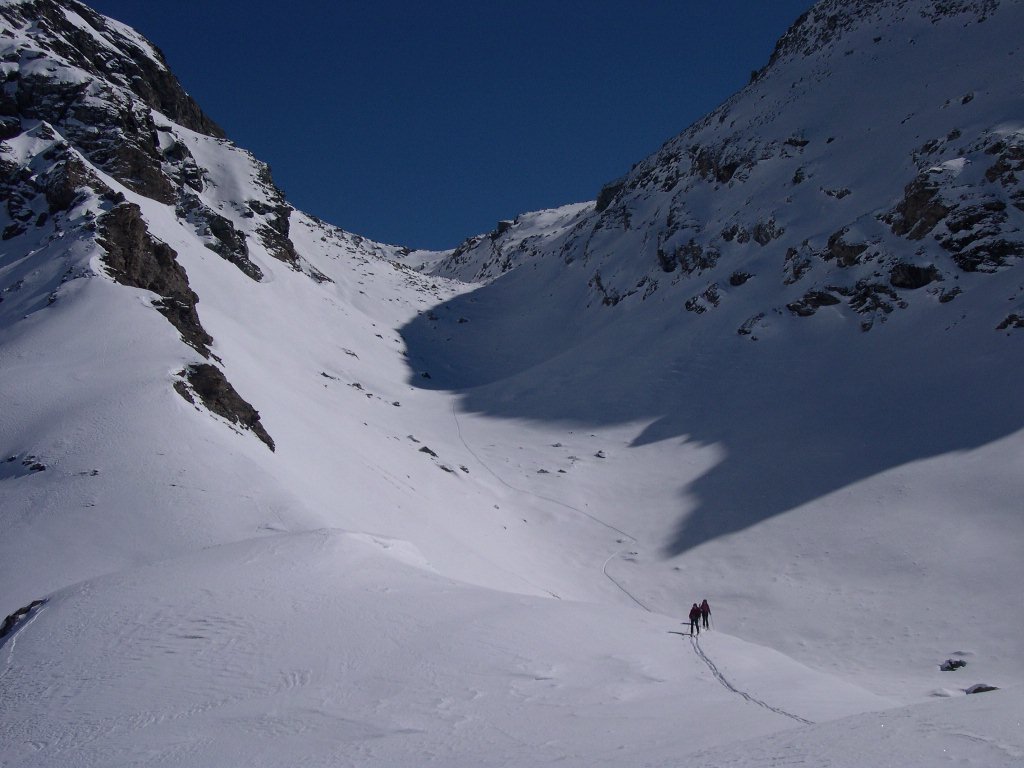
(328, 648)
(848, 503)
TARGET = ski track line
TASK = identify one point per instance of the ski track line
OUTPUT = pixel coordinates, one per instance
(604, 569)
(695, 642)
(630, 595)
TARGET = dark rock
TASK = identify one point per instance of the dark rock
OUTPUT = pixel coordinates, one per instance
(920, 209)
(811, 302)
(715, 164)
(274, 232)
(215, 392)
(609, 296)
(845, 254)
(137, 259)
(977, 236)
(989, 214)
(667, 261)
(766, 231)
(131, 67)
(1011, 321)
(911, 277)
(838, 194)
(795, 265)
(692, 257)
(987, 256)
(10, 126)
(951, 665)
(608, 194)
(729, 233)
(64, 183)
(229, 243)
(738, 278)
(700, 303)
(503, 227)
(867, 297)
(11, 231)
(980, 688)
(15, 618)
(427, 451)
(185, 170)
(750, 324)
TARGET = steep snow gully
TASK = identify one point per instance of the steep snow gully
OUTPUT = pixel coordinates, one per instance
(694, 640)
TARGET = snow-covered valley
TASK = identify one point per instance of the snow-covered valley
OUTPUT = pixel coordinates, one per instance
(469, 520)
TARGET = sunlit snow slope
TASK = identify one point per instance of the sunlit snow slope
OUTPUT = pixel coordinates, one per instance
(288, 501)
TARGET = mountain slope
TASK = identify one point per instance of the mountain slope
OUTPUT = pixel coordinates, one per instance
(806, 305)
(791, 220)
(264, 536)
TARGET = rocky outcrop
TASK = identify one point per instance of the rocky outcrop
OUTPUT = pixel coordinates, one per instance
(11, 622)
(920, 210)
(911, 277)
(134, 257)
(207, 383)
(104, 89)
(275, 229)
(129, 61)
(222, 236)
(811, 302)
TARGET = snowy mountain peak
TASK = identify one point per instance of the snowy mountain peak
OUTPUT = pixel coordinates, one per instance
(74, 45)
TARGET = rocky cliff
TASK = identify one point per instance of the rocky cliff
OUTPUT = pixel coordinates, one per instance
(90, 116)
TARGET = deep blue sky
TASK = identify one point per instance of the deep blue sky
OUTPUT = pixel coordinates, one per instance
(421, 123)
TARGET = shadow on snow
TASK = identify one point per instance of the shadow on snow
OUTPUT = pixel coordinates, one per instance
(798, 415)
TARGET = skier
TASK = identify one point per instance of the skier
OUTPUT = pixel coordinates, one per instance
(705, 612)
(695, 620)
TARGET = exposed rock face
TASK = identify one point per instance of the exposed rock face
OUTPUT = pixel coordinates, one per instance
(135, 258)
(137, 65)
(208, 383)
(225, 239)
(911, 277)
(109, 94)
(920, 209)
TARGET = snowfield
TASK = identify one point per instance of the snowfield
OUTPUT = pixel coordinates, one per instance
(490, 505)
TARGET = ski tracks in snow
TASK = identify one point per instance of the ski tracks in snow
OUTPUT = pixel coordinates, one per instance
(695, 642)
(604, 570)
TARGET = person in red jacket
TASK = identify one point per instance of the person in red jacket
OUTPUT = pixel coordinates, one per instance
(695, 620)
(705, 611)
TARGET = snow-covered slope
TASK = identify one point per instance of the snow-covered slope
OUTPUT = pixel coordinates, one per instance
(290, 501)
(810, 303)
